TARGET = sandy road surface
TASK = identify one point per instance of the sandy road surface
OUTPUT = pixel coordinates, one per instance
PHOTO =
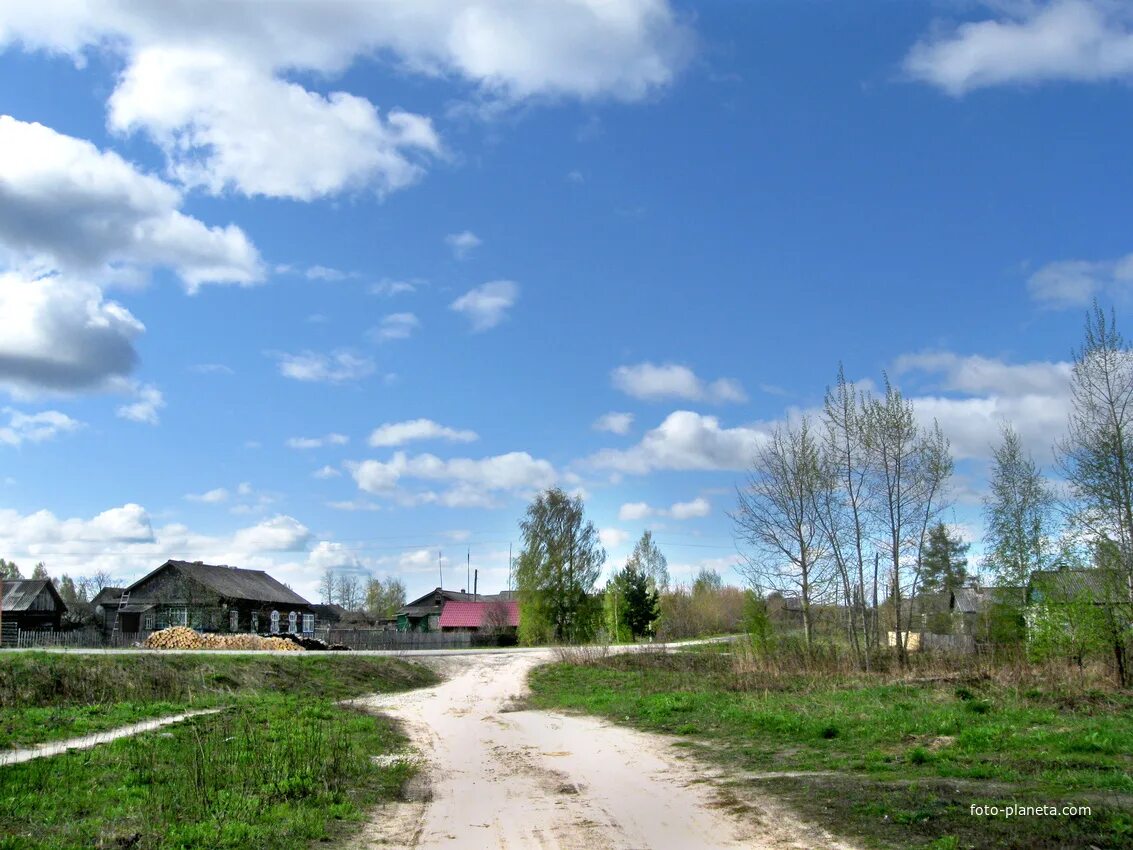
(496, 777)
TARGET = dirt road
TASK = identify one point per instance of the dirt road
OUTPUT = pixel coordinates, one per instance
(493, 776)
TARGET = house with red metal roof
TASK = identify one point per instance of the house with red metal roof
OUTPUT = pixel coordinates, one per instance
(458, 611)
(499, 616)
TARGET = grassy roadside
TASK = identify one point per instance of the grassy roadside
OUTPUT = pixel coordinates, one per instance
(51, 696)
(892, 764)
(280, 767)
(279, 773)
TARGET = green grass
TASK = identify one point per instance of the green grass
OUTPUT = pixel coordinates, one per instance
(279, 773)
(52, 696)
(908, 758)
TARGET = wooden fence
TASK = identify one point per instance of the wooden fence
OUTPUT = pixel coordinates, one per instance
(85, 638)
(361, 639)
(395, 641)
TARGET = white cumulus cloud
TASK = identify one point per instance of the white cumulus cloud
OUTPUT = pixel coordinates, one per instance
(278, 534)
(88, 210)
(651, 382)
(487, 305)
(615, 423)
(472, 480)
(698, 507)
(462, 243)
(35, 427)
(1076, 283)
(972, 396)
(1080, 40)
(148, 401)
(224, 122)
(685, 440)
(209, 497)
(396, 326)
(400, 433)
(213, 82)
(336, 368)
(61, 335)
(317, 442)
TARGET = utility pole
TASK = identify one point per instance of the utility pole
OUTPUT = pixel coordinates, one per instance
(468, 570)
(510, 567)
(440, 570)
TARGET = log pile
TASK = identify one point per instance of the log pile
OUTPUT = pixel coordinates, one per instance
(179, 637)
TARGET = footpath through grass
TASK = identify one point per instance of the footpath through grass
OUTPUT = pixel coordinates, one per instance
(279, 767)
(46, 696)
(889, 763)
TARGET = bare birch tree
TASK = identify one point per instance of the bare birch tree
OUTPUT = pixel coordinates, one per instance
(1096, 458)
(777, 518)
(844, 511)
(1018, 513)
(910, 468)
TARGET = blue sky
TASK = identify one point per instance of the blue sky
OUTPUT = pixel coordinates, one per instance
(295, 288)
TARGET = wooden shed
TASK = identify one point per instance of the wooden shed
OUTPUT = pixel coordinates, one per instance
(32, 605)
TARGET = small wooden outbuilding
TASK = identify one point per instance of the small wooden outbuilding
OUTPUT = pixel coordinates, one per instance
(31, 605)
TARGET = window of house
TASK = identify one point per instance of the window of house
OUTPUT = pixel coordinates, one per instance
(148, 621)
(308, 623)
(179, 616)
(292, 622)
(233, 620)
(275, 621)
(255, 626)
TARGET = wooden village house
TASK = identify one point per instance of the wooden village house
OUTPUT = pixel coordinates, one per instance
(206, 597)
(479, 612)
(31, 605)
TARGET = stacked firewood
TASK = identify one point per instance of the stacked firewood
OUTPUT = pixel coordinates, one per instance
(179, 637)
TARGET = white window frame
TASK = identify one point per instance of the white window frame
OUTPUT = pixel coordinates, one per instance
(292, 622)
(275, 622)
(233, 620)
(254, 622)
(308, 623)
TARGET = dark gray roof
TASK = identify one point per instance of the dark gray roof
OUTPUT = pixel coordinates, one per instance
(19, 594)
(231, 582)
(107, 595)
(926, 603)
(433, 601)
(972, 600)
(1065, 585)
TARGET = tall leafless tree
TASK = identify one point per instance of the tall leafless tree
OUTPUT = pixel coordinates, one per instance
(1096, 459)
(845, 511)
(910, 467)
(777, 518)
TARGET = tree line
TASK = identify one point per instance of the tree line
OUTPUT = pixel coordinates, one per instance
(367, 596)
(845, 507)
(557, 577)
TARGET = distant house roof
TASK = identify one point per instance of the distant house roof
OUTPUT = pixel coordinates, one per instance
(972, 600)
(1065, 585)
(19, 594)
(925, 603)
(438, 598)
(478, 614)
(229, 582)
(329, 612)
(107, 595)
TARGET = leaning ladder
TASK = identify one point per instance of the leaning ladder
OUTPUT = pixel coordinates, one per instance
(123, 601)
